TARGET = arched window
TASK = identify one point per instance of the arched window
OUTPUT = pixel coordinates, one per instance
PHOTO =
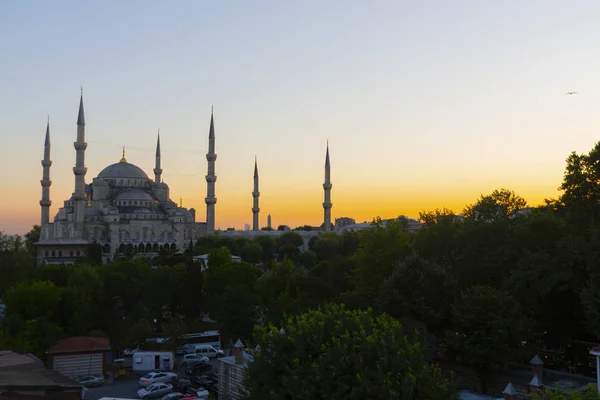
(148, 248)
(173, 247)
(122, 248)
(155, 248)
(130, 248)
(106, 248)
(141, 248)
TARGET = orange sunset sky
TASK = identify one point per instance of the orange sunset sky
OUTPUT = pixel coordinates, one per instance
(425, 105)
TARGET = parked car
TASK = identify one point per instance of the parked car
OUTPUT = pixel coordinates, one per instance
(198, 369)
(157, 377)
(91, 380)
(173, 396)
(193, 359)
(155, 390)
(208, 351)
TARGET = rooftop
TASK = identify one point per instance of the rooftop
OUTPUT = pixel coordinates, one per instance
(10, 359)
(80, 344)
(35, 378)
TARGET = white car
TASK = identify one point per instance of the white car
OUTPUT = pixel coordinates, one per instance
(157, 377)
(191, 359)
(155, 390)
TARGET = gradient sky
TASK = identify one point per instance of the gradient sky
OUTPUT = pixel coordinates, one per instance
(425, 103)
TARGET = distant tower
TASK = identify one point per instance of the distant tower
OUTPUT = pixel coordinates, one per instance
(157, 169)
(269, 221)
(45, 203)
(79, 170)
(255, 195)
(327, 188)
(211, 178)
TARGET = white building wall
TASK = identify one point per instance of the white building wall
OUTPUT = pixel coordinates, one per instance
(146, 361)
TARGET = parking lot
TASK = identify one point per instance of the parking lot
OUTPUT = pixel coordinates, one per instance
(124, 388)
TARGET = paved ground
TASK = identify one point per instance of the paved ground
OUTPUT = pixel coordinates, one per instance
(126, 388)
(123, 388)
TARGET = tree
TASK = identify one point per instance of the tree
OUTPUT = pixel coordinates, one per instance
(420, 290)
(334, 353)
(499, 205)
(488, 327)
(219, 257)
(32, 237)
(590, 392)
(252, 252)
(381, 247)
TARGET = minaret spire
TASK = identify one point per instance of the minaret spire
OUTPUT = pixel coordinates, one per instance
(255, 195)
(46, 182)
(157, 169)
(211, 178)
(79, 170)
(327, 188)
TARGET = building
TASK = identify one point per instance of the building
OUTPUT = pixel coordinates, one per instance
(125, 211)
(342, 222)
(232, 372)
(80, 355)
(153, 361)
(37, 384)
(9, 360)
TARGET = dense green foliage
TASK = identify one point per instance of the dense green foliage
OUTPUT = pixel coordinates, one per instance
(335, 353)
(492, 284)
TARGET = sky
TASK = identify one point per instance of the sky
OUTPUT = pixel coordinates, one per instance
(425, 104)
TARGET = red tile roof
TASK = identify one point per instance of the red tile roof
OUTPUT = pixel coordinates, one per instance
(80, 344)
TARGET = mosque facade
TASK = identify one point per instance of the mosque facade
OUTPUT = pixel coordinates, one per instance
(126, 212)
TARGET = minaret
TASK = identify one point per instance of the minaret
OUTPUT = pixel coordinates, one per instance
(255, 195)
(269, 221)
(211, 178)
(157, 169)
(46, 182)
(327, 188)
(79, 170)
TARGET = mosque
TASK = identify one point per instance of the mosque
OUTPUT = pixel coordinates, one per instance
(124, 211)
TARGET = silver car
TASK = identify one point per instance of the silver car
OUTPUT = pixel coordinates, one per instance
(157, 377)
(155, 390)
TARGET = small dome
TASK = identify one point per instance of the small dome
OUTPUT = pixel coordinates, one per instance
(123, 169)
(134, 194)
(162, 185)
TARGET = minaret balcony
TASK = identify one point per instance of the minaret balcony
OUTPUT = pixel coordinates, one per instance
(80, 145)
(327, 186)
(211, 178)
(46, 182)
(210, 200)
(255, 210)
(45, 203)
(327, 205)
(255, 194)
(211, 157)
(79, 170)
(46, 163)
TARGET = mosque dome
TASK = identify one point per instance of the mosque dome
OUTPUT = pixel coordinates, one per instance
(134, 194)
(122, 169)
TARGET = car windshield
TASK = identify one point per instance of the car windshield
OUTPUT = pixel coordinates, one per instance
(149, 376)
(150, 388)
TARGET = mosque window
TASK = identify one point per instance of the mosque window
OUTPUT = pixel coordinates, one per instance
(46, 253)
(60, 253)
(53, 253)
(71, 253)
(78, 253)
